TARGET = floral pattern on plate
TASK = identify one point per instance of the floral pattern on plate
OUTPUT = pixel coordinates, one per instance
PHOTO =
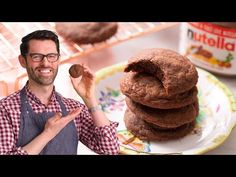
(217, 115)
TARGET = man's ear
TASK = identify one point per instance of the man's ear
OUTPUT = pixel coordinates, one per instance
(22, 61)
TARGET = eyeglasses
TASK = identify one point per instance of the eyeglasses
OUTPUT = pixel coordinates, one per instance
(38, 57)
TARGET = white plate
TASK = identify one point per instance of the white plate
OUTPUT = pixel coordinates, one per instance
(216, 118)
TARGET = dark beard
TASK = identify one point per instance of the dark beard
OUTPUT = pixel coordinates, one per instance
(39, 80)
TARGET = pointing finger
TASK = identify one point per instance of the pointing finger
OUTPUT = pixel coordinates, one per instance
(72, 115)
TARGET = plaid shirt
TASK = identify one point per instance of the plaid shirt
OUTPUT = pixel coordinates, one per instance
(102, 140)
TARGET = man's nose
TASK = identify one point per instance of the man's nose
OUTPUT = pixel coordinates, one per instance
(45, 61)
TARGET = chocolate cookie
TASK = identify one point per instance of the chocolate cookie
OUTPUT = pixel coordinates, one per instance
(176, 73)
(164, 118)
(76, 70)
(87, 32)
(143, 131)
(148, 90)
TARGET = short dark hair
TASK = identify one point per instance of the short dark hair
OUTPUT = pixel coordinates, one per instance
(40, 35)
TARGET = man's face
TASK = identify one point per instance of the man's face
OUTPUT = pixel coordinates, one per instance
(42, 72)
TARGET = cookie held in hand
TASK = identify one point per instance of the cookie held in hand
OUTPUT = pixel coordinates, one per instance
(76, 70)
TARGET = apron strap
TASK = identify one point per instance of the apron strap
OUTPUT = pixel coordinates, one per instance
(62, 105)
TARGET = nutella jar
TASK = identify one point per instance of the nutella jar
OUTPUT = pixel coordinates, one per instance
(211, 46)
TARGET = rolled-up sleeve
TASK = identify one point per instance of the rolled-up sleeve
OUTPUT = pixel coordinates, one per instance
(102, 140)
(108, 139)
(7, 138)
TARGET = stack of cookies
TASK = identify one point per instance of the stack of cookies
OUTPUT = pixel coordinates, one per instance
(161, 95)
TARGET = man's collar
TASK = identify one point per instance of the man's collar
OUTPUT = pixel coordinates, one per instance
(31, 96)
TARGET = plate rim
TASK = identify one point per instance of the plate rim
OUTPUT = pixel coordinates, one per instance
(119, 67)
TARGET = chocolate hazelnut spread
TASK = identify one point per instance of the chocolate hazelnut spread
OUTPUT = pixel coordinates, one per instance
(210, 45)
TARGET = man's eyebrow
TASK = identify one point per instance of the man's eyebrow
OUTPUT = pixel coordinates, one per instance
(43, 54)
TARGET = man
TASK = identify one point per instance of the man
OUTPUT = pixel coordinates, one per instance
(38, 120)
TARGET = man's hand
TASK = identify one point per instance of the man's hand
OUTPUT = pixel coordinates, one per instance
(56, 123)
(52, 127)
(86, 86)
(86, 89)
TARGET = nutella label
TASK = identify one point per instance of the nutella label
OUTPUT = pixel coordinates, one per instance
(209, 46)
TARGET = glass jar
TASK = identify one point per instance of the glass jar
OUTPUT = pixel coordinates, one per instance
(210, 45)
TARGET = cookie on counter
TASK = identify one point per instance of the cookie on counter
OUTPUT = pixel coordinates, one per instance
(86, 32)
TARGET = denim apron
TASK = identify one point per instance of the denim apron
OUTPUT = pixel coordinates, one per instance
(32, 124)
